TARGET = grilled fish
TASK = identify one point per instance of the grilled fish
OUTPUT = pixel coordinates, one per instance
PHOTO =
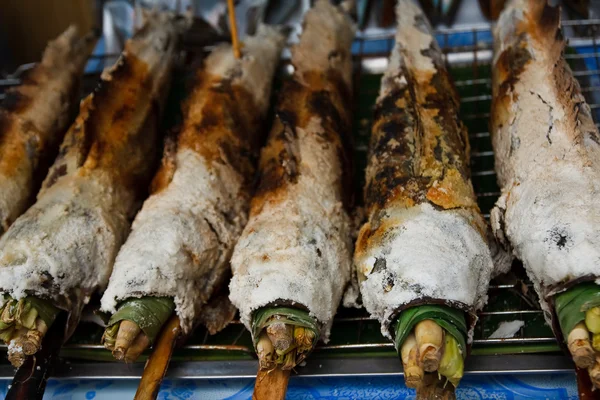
(425, 240)
(183, 237)
(34, 117)
(547, 154)
(296, 247)
(62, 249)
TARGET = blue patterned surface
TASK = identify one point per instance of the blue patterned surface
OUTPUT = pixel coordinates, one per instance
(502, 387)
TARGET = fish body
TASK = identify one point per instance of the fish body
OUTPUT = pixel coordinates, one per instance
(34, 117)
(296, 247)
(425, 240)
(182, 239)
(547, 151)
(63, 247)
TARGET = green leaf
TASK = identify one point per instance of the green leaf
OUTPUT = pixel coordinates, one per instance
(451, 319)
(572, 304)
(46, 310)
(149, 313)
(292, 316)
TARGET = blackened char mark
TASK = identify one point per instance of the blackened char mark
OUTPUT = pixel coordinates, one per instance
(55, 174)
(335, 121)
(452, 146)
(511, 64)
(396, 133)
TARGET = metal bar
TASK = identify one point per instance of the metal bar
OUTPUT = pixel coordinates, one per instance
(315, 367)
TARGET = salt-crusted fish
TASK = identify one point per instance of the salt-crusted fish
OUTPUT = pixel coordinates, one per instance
(183, 237)
(548, 163)
(425, 240)
(34, 117)
(62, 249)
(295, 250)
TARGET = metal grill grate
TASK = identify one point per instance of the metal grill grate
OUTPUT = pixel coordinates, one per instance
(468, 53)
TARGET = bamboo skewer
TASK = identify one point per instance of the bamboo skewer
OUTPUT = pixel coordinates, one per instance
(271, 384)
(156, 366)
(435, 387)
(234, 35)
(584, 385)
(30, 379)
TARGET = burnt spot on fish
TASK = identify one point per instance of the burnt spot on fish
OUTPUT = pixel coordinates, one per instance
(559, 237)
(389, 281)
(321, 96)
(226, 129)
(511, 64)
(379, 265)
(55, 174)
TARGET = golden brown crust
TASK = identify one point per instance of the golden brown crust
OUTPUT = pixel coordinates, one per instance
(34, 117)
(223, 129)
(419, 147)
(118, 137)
(314, 95)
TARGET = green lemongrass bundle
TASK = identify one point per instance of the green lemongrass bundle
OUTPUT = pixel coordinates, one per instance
(23, 324)
(135, 326)
(283, 336)
(431, 338)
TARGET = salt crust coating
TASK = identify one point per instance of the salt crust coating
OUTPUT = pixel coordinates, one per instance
(275, 258)
(182, 239)
(427, 253)
(547, 155)
(50, 93)
(280, 234)
(64, 246)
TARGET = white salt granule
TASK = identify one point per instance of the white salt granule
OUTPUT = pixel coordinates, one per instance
(507, 329)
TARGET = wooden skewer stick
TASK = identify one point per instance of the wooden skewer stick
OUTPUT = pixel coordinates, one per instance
(30, 379)
(271, 384)
(435, 387)
(234, 35)
(156, 366)
(584, 385)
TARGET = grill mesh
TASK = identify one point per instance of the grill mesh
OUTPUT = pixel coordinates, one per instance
(468, 54)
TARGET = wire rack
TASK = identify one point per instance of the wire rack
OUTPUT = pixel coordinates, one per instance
(468, 53)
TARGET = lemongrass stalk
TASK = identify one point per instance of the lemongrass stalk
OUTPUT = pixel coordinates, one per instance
(409, 353)
(109, 337)
(265, 352)
(592, 319)
(7, 333)
(289, 360)
(596, 341)
(140, 343)
(128, 330)
(429, 336)
(16, 356)
(33, 339)
(28, 320)
(452, 363)
(580, 347)
(281, 335)
(594, 372)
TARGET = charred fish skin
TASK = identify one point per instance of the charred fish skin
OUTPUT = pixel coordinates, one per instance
(547, 153)
(183, 237)
(34, 117)
(296, 247)
(63, 248)
(425, 239)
